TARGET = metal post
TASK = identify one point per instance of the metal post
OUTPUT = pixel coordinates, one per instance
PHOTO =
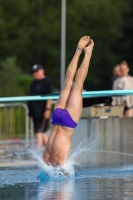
(63, 42)
(27, 135)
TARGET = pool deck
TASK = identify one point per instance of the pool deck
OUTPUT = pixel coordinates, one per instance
(22, 163)
(9, 156)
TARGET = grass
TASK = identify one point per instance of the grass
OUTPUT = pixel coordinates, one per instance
(12, 123)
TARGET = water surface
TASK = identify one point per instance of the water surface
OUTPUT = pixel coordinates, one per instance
(88, 183)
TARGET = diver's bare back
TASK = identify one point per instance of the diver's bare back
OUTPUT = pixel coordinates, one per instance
(58, 145)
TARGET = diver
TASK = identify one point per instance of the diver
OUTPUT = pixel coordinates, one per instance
(68, 107)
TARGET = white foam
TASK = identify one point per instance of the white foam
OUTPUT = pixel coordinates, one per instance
(67, 169)
(52, 171)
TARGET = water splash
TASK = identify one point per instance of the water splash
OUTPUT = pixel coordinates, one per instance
(67, 169)
(24, 152)
(87, 146)
(52, 171)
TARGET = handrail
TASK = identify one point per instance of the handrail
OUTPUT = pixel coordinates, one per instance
(27, 137)
(56, 96)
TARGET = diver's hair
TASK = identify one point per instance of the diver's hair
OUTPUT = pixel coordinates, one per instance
(124, 63)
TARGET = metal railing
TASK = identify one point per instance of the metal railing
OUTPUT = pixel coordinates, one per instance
(56, 96)
(14, 122)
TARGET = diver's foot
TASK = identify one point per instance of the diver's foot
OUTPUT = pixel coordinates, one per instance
(89, 48)
(83, 42)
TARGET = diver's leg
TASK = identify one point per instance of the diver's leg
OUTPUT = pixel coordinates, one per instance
(70, 73)
(74, 105)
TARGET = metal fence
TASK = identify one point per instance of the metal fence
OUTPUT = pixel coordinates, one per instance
(15, 122)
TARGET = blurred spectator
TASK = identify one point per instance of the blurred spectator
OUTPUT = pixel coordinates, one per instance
(117, 71)
(40, 110)
(116, 74)
(125, 82)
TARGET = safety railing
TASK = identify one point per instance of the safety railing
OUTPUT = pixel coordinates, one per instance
(55, 96)
(14, 122)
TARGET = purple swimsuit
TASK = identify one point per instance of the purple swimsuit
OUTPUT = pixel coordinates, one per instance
(62, 117)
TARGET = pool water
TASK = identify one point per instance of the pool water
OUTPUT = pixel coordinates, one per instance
(88, 183)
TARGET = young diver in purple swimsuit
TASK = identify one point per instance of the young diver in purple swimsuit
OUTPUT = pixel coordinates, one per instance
(68, 108)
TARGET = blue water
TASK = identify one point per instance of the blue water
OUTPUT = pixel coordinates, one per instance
(88, 183)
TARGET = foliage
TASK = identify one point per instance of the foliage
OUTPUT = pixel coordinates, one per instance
(13, 82)
(30, 31)
(101, 20)
(14, 126)
(126, 40)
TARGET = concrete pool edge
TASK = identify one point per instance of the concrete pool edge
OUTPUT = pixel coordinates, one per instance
(19, 164)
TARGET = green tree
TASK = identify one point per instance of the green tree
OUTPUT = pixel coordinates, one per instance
(13, 82)
(30, 31)
(101, 20)
(126, 41)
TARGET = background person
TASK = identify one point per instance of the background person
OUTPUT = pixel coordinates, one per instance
(125, 82)
(40, 110)
(117, 72)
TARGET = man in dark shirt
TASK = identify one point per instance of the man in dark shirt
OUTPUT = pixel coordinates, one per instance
(40, 110)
